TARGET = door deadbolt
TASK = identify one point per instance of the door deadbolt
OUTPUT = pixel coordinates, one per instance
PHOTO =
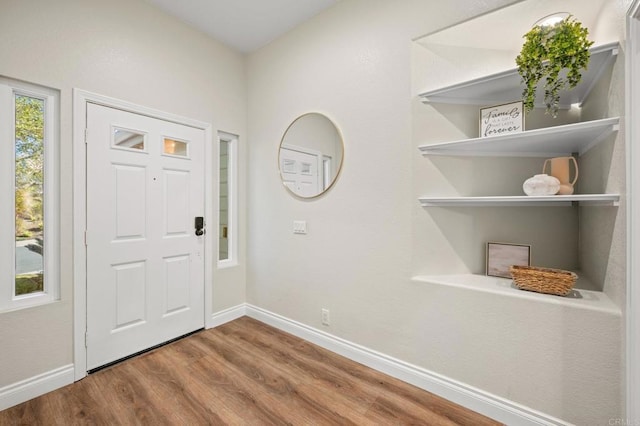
(199, 225)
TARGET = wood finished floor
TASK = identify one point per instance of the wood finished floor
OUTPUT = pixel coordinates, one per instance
(241, 373)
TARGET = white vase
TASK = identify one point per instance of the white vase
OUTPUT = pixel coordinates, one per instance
(541, 185)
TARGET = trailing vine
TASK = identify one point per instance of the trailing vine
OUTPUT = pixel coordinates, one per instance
(546, 52)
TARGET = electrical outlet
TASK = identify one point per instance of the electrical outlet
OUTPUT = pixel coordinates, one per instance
(325, 316)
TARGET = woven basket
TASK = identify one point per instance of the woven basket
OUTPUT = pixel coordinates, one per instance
(543, 280)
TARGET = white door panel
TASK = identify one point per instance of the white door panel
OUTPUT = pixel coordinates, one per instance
(145, 268)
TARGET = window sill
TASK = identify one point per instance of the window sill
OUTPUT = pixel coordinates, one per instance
(22, 306)
(226, 264)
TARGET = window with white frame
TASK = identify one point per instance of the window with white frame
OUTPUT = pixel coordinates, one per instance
(29, 192)
(228, 211)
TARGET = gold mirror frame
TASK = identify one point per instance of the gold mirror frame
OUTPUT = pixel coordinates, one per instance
(310, 155)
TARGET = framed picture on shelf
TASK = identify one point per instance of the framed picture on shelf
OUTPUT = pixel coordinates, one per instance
(500, 257)
(502, 119)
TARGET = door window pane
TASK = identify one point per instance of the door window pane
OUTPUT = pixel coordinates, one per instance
(127, 139)
(29, 195)
(174, 147)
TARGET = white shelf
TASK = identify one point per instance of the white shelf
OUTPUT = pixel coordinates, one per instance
(522, 200)
(506, 86)
(554, 141)
(579, 298)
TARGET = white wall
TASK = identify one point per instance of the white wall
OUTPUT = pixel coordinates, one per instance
(129, 50)
(368, 236)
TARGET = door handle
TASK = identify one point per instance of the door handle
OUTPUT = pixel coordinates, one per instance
(199, 225)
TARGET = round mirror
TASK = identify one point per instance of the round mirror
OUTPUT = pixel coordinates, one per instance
(310, 155)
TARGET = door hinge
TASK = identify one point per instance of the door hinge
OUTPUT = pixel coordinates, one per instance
(86, 133)
(85, 238)
(86, 338)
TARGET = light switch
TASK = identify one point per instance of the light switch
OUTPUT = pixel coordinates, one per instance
(299, 226)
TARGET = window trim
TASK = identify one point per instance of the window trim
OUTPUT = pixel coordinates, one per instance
(51, 98)
(232, 194)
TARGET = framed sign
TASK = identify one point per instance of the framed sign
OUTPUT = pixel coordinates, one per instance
(501, 119)
(501, 256)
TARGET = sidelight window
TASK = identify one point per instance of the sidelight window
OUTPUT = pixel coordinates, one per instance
(228, 193)
(28, 236)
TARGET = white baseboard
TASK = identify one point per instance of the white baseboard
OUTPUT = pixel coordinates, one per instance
(22, 391)
(226, 316)
(490, 405)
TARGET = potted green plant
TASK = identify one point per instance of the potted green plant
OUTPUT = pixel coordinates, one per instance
(547, 51)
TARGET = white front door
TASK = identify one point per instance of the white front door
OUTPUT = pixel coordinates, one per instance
(145, 267)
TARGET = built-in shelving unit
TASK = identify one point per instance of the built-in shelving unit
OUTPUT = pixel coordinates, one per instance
(520, 201)
(568, 139)
(556, 141)
(547, 142)
(506, 86)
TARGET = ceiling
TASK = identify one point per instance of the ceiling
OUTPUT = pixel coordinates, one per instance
(244, 25)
